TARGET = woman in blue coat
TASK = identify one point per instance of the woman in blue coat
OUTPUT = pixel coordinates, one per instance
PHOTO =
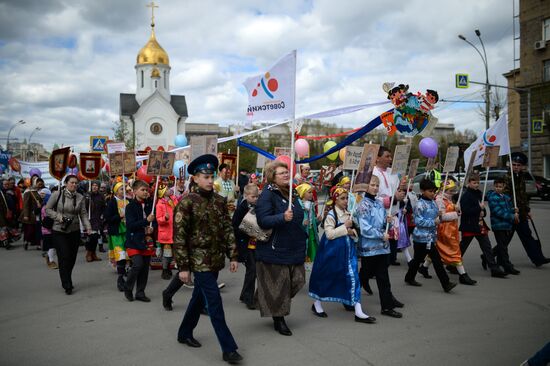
(280, 260)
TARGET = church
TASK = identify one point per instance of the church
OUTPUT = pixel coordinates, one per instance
(152, 115)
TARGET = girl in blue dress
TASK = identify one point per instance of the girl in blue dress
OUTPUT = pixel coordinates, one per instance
(335, 277)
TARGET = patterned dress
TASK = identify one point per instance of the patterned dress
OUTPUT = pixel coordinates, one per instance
(117, 250)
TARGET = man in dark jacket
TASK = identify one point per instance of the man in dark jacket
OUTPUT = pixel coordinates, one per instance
(532, 247)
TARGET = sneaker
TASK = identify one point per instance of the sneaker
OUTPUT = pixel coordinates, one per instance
(190, 285)
(52, 265)
(424, 272)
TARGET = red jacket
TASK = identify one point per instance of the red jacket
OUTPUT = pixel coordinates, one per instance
(165, 226)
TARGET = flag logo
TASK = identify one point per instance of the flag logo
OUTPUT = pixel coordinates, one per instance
(269, 88)
(489, 140)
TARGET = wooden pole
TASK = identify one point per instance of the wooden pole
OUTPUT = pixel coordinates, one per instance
(485, 185)
(155, 198)
(513, 183)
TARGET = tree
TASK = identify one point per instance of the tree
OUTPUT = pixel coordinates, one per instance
(498, 103)
(123, 134)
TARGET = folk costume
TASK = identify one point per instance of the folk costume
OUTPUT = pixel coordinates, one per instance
(114, 216)
(310, 219)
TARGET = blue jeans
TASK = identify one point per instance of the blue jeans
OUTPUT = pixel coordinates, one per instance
(542, 357)
(206, 292)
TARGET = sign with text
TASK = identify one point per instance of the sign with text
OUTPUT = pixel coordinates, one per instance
(113, 147)
(490, 158)
(400, 159)
(200, 145)
(413, 168)
(261, 161)
(451, 159)
(353, 157)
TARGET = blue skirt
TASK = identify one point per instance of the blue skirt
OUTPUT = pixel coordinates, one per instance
(334, 276)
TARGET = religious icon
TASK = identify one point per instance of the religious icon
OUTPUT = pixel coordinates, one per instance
(58, 162)
(90, 166)
(366, 167)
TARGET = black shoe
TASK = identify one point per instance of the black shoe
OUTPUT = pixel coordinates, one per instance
(543, 262)
(120, 283)
(143, 298)
(69, 291)
(449, 286)
(413, 282)
(483, 262)
(466, 280)
(250, 307)
(395, 263)
(498, 273)
(166, 302)
(512, 271)
(101, 248)
(349, 307)
(129, 295)
(166, 274)
(191, 342)
(280, 326)
(9, 246)
(424, 272)
(322, 314)
(392, 313)
(396, 303)
(232, 357)
(366, 287)
(368, 320)
(26, 246)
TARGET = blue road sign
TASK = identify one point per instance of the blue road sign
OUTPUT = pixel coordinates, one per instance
(462, 81)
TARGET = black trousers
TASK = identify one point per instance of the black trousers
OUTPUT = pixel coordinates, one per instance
(503, 238)
(91, 244)
(138, 275)
(393, 251)
(484, 245)
(531, 245)
(206, 292)
(249, 284)
(377, 266)
(66, 245)
(173, 287)
(420, 252)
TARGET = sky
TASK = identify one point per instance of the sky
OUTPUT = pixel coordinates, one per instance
(64, 63)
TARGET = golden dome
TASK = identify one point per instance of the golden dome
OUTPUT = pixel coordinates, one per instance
(155, 73)
(152, 53)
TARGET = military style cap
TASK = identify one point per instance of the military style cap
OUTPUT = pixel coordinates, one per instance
(519, 157)
(207, 164)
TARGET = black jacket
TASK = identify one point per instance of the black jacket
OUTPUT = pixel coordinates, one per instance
(111, 217)
(241, 238)
(469, 206)
(287, 244)
(136, 222)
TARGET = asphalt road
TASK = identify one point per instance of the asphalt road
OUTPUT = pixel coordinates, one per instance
(497, 322)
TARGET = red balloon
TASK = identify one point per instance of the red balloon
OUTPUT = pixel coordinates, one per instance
(160, 148)
(286, 159)
(142, 174)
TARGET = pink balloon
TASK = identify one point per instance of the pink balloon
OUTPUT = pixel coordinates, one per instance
(428, 147)
(286, 159)
(302, 147)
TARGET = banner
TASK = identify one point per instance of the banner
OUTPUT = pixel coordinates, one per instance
(400, 159)
(160, 163)
(497, 134)
(353, 157)
(271, 96)
(59, 160)
(90, 165)
(451, 159)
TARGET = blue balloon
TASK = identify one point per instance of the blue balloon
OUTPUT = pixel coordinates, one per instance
(176, 169)
(180, 141)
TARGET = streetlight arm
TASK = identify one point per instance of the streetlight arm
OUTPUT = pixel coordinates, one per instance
(477, 50)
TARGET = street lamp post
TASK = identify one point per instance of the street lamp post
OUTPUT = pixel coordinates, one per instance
(20, 122)
(487, 86)
(29, 141)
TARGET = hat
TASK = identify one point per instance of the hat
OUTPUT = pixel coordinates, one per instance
(519, 157)
(117, 187)
(206, 164)
(344, 180)
(45, 191)
(303, 189)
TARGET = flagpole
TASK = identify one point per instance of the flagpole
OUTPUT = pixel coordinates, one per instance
(292, 138)
(512, 176)
(485, 185)
(154, 199)
(237, 164)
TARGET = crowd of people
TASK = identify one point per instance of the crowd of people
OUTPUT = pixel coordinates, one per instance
(195, 225)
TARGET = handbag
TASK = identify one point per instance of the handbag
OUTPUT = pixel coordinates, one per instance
(250, 227)
(47, 222)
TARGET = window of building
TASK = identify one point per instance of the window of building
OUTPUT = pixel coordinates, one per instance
(142, 78)
(546, 29)
(165, 80)
(156, 84)
(546, 70)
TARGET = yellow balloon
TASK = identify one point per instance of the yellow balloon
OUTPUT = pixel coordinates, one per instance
(329, 145)
(342, 154)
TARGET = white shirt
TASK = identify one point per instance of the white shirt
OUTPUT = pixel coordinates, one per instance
(388, 183)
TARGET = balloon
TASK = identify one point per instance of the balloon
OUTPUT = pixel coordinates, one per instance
(35, 171)
(160, 148)
(72, 161)
(428, 147)
(342, 154)
(329, 145)
(286, 159)
(142, 174)
(302, 147)
(176, 170)
(180, 141)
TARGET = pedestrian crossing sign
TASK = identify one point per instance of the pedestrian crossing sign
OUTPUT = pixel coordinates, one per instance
(462, 81)
(97, 143)
(537, 126)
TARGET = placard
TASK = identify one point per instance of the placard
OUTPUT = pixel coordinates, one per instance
(206, 144)
(366, 166)
(90, 165)
(430, 165)
(353, 157)
(278, 151)
(413, 168)
(113, 147)
(400, 159)
(59, 160)
(160, 163)
(261, 161)
(490, 157)
(451, 159)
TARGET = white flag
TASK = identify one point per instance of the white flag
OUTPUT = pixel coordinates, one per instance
(493, 136)
(271, 95)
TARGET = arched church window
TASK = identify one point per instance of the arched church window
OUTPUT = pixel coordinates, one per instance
(165, 80)
(142, 78)
(156, 84)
